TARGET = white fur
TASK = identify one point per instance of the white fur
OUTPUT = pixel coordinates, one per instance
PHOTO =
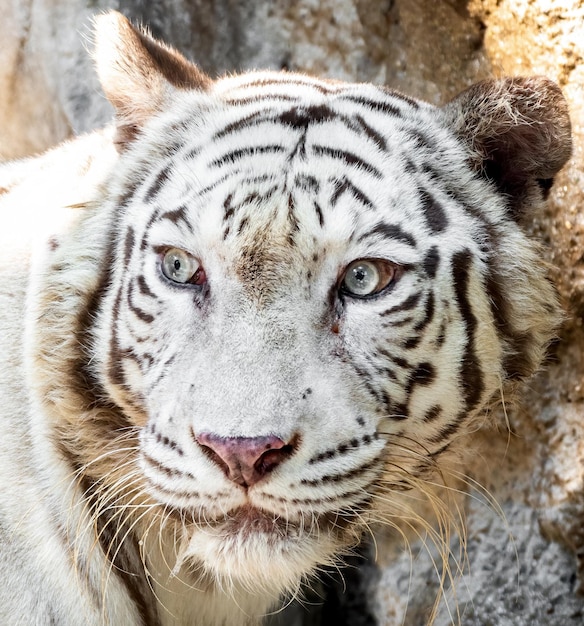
(261, 355)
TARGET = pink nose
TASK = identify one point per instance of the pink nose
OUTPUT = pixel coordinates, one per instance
(245, 460)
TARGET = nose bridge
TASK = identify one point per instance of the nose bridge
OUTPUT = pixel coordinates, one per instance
(254, 380)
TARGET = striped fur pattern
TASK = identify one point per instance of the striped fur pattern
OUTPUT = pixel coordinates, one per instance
(282, 195)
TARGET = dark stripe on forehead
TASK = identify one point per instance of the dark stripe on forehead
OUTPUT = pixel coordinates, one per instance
(442, 180)
(161, 178)
(292, 80)
(177, 215)
(235, 155)
(389, 231)
(244, 122)
(262, 97)
(153, 218)
(220, 181)
(300, 117)
(398, 95)
(349, 158)
(344, 185)
(434, 212)
(372, 133)
(421, 140)
(375, 105)
(307, 182)
(125, 198)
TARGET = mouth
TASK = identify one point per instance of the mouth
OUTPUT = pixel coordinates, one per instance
(254, 546)
(249, 520)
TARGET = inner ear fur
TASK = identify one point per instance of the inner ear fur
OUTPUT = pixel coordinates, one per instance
(138, 74)
(517, 130)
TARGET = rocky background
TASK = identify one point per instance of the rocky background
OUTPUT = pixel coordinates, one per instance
(523, 503)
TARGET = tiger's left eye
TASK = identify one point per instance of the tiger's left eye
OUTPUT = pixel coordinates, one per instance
(180, 267)
(367, 277)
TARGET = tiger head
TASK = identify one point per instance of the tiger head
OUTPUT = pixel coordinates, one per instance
(302, 294)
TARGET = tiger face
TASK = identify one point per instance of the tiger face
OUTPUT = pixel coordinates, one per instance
(309, 291)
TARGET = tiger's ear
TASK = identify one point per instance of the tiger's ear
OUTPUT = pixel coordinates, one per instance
(138, 73)
(518, 133)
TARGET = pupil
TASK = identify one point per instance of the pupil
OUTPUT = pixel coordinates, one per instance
(360, 275)
(176, 264)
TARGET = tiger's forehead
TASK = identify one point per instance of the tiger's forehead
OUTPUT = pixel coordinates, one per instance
(273, 156)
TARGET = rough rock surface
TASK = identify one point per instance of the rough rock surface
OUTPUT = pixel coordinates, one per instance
(523, 504)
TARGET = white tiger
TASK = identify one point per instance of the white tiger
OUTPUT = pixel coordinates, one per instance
(237, 326)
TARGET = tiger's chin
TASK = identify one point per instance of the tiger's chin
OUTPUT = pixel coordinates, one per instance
(261, 552)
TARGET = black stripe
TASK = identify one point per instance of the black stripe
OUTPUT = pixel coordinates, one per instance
(433, 413)
(429, 315)
(344, 185)
(129, 242)
(260, 98)
(115, 370)
(251, 198)
(389, 231)
(516, 365)
(136, 310)
(423, 376)
(162, 177)
(457, 193)
(257, 117)
(399, 412)
(349, 158)
(218, 182)
(228, 207)
(292, 218)
(398, 360)
(153, 218)
(319, 214)
(307, 182)
(375, 105)
(235, 155)
(283, 79)
(421, 140)
(301, 117)
(398, 323)
(431, 262)
(407, 305)
(177, 215)
(450, 429)
(399, 96)
(411, 343)
(471, 378)
(377, 138)
(434, 212)
(125, 198)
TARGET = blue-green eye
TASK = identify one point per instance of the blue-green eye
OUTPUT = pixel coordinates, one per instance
(366, 277)
(180, 267)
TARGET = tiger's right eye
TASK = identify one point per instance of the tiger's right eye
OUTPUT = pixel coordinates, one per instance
(180, 267)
